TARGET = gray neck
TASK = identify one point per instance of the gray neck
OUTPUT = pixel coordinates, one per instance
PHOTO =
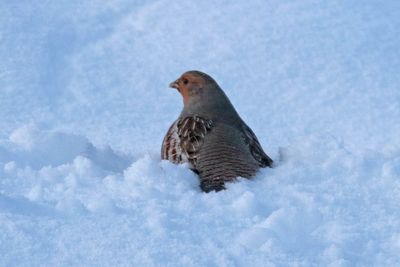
(214, 105)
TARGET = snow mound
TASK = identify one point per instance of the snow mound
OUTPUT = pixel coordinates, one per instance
(152, 211)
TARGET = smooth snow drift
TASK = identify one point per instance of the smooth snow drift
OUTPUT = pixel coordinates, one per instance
(85, 103)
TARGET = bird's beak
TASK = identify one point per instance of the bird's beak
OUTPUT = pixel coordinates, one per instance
(174, 84)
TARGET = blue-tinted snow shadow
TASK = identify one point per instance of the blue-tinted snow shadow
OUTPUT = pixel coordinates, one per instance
(38, 149)
(23, 206)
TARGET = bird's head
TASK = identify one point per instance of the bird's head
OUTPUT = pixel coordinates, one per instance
(203, 96)
(195, 86)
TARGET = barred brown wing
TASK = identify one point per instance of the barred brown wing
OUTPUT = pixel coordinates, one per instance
(184, 138)
(255, 148)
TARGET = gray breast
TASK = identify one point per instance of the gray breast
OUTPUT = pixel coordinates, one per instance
(224, 155)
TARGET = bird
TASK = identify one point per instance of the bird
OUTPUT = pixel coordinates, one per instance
(210, 135)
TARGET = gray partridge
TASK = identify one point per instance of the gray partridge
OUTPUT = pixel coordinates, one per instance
(210, 135)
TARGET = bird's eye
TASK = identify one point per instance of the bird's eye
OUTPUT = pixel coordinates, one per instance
(185, 81)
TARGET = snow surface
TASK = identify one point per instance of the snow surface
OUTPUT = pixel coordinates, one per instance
(84, 105)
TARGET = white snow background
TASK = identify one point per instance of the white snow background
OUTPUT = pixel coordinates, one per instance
(85, 103)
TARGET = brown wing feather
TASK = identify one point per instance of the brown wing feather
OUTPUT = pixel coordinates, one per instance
(184, 139)
(170, 148)
(255, 148)
(191, 132)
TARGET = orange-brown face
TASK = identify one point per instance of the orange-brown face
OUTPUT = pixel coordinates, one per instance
(186, 84)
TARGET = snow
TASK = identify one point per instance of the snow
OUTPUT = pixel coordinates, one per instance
(85, 103)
